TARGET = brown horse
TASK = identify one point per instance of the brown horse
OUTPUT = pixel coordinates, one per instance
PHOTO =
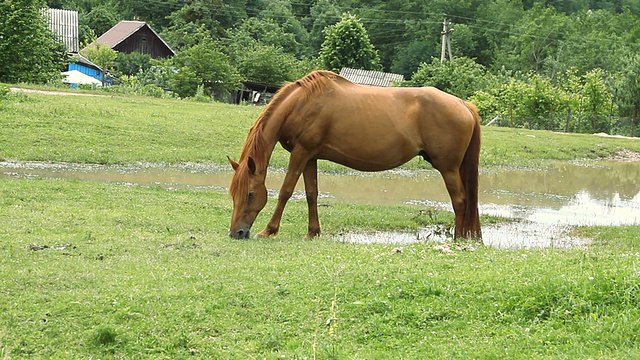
(324, 116)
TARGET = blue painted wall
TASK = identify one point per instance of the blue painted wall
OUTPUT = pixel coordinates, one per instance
(86, 70)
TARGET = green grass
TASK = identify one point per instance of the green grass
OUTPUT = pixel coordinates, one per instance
(146, 272)
(97, 270)
(118, 130)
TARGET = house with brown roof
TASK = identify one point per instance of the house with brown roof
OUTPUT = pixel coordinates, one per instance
(131, 36)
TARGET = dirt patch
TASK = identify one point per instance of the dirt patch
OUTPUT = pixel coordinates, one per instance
(53, 92)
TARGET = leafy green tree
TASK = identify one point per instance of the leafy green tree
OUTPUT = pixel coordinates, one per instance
(530, 102)
(180, 35)
(593, 40)
(532, 40)
(571, 85)
(29, 50)
(103, 56)
(322, 14)
(281, 13)
(268, 64)
(86, 35)
(99, 19)
(596, 98)
(461, 77)
(539, 101)
(206, 17)
(347, 44)
(386, 26)
(260, 32)
(205, 65)
(185, 82)
(154, 12)
(488, 104)
(630, 89)
(491, 34)
(133, 63)
(410, 57)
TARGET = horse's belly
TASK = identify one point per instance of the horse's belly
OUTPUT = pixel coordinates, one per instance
(370, 155)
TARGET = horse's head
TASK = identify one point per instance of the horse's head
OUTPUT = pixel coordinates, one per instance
(249, 196)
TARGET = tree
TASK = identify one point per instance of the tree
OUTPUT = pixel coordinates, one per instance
(182, 36)
(103, 56)
(461, 77)
(205, 65)
(593, 40)
(154, 12)
(268, 64)
(184, 82)
(532, 41)
(209, 17)
(411, 56)
(30, 52)
(539, 101)
(133, 63)
(260, 32)
(630, 89)
(280, 12)
(596, 98)
(100, 19)
(347, 44)
(323, 13)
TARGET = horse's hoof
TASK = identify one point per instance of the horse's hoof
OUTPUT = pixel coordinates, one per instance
(312, 235)
(265, 234)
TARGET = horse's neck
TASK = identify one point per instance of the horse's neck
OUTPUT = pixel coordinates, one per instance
(269, 136)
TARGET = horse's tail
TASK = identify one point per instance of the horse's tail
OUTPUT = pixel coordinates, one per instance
(469, 174)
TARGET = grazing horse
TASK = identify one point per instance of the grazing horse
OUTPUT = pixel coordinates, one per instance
(324, 116)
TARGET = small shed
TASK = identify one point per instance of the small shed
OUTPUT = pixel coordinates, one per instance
(64, 25)
(85, 66)
(131, 36)
(255, 92)
(370, 77)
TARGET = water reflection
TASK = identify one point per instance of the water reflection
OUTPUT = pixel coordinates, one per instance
(520, 235)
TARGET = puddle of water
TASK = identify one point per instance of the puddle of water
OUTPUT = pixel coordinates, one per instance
(518, 235)
(597, 193)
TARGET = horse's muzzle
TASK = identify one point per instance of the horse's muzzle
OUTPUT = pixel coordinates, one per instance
(240, 234)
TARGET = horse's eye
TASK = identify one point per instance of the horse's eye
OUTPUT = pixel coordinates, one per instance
(251, 195)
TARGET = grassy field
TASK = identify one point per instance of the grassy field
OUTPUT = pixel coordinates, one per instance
(109, 271)
(114, 130)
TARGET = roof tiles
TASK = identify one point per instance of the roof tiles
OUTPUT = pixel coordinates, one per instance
(370, 77)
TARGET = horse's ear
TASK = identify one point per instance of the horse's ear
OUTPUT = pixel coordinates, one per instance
(234, 164)
(252, 165)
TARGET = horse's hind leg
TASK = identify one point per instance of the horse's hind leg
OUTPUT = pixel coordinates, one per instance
(453, 181)
(310, 176)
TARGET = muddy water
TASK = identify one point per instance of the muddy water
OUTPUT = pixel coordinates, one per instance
(547, 202)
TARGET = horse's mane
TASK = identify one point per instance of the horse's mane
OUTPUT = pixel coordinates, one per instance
(255, 144)
(313, 82)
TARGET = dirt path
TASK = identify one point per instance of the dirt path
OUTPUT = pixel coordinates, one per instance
(51, 92)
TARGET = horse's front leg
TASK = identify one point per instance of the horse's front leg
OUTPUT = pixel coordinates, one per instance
(310, 176)
(296, 164)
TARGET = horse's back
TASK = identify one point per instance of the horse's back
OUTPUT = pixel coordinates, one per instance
(374, 128)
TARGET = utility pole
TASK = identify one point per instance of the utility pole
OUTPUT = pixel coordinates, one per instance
(446, 39)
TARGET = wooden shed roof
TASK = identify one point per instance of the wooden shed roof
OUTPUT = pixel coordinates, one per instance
(370, 77)
(123, 30)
